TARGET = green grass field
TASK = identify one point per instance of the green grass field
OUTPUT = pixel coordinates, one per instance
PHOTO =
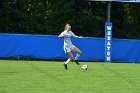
(51, 77)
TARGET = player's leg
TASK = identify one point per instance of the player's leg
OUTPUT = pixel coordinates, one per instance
(77, 55)
(71, 58)
(68, 51)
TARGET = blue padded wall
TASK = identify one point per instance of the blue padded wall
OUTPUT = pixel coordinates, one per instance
(51, 47)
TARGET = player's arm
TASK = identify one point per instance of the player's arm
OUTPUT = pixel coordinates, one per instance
(76, 35)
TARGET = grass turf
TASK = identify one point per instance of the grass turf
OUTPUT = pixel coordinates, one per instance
(51, 77)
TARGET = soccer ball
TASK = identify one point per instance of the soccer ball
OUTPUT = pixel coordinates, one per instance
(84, 67)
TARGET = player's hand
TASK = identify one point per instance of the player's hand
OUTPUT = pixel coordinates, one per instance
(80, 36)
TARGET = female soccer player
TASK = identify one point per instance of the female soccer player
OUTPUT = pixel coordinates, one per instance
(68, 46)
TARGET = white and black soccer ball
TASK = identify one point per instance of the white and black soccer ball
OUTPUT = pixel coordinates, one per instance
(84, 67)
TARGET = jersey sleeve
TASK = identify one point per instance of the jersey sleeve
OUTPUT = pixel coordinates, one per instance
(72, 34)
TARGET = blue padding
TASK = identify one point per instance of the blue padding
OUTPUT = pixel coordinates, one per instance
(126, 50)
(51, 47)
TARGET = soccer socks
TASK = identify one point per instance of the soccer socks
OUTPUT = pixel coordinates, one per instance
(77, 56)
(67, 61)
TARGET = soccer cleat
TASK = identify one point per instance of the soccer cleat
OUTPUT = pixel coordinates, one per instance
(76, 61)
(65, 66)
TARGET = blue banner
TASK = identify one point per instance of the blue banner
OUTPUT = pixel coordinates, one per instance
(51, 47)
(108, 41)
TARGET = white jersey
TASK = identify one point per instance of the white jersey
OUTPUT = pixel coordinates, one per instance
(67, 38)
(68, 46)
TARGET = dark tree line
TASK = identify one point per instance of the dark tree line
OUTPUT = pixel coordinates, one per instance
(87, 18)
